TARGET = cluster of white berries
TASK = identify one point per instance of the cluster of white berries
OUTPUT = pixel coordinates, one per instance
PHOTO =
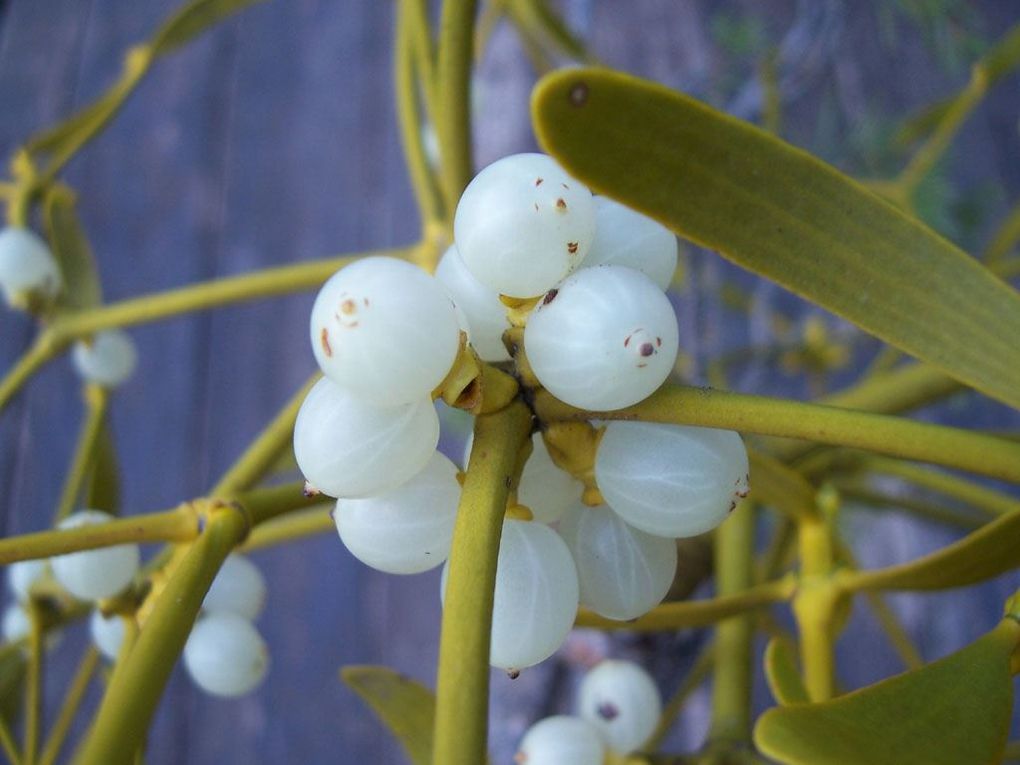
(602, 335)
(618, 708)
(29, 274)
(224, 655)
(385, 334)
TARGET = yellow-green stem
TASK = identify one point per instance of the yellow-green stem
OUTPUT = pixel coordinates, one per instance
(405, 66)
(676, 615)
(45, 347)
(731, 676)
(214, 293)
(424, 51)
(989, 501)
(305, 523)
(130, 701)
(69, 707)
(34, 684)
(462, 689)
(897, 437)
(925, 158)
(96, 399)
(8, 744)
(453, 122)
(814, 608)
(265, 450)
(178, 525)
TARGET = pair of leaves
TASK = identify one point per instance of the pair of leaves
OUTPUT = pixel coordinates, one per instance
(954, 710)
(780, 212)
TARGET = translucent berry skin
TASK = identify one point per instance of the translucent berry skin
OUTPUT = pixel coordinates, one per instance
(625, 237)
(545, 489)
(95, 574)
(535, 597)
(239, 588)
(225, 655)
(621, 700)
(523, 224)
(27, 267)
(385, 330)
(671, 480)
(348, 447)
(107, 634)
(109, 361)
(603, 339)
(622, 571)
(406, 530)
(561, 740)
(485, 314)
(22, 575)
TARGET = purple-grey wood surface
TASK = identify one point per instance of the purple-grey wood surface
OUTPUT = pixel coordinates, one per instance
(272, 140)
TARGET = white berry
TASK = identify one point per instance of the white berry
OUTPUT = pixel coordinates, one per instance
(535, 598)
(27, 267)
(225, 655)
(23, 574)
(107, 633)
(561, 740)
(16, 624)
(622, 571)
(621, 700)
(385, 330)
(523, 224)
(349, 447)
(406, 530)
(625, 237)
(603, 339)
(95, 574)
(485, 314)
(109, 360)
(671, 480)
(238, 588)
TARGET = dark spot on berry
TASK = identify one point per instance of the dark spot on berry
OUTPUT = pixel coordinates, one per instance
(565, 186)
(561, 204)
(572, 247)
(324, 341)
(550, 296)
(578, 94)
(647, 349)
(348, 307)
(309, 490)
(536, 206)
(513, 674)
(607, 711)
(733, 506)
(658, 341)
(627, 341)
(365, 301)
(538, 181)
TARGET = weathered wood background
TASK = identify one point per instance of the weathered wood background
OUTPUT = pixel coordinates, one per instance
(273, 140)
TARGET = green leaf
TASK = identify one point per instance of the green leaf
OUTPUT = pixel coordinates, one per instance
(102, 490)
(405, 707)
(784, 214)
(782, 487)
(956, 710)
(781, 673)
(982, 554)
(12, 682)
(71, 248)
(192, 20)
(1003, 58)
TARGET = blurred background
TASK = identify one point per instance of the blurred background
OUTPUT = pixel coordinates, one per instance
(273, 139)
